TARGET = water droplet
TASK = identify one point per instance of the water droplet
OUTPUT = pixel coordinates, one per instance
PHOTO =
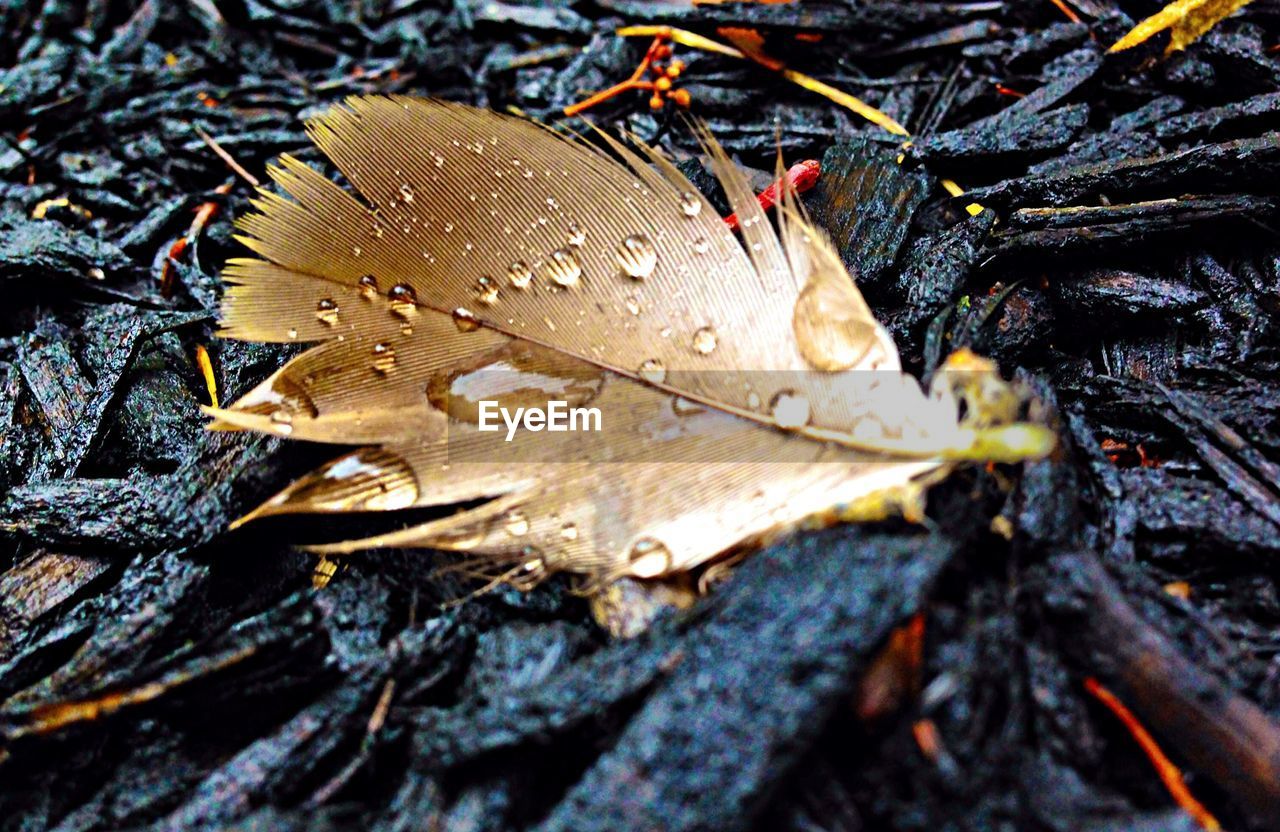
(368, 287)
(789, 409)
(690, 204)
(448, 228)
(327, 311)
(515, 523)
(283, 420)
(564, 267)
(406, 193)
(705, 340)
(701, 245)
(403, 300)
(384, 357)
(753, 400)
(684, 407)
(637, 256)
(649, 558)
(520, 274)
(439, 161)
(569, 531)
(465, 320)
(653, 371)
(463, 539)
(487, 291)
(355, 250)
(832, 330)
(633, 304)
(293, 333)
(577, 234)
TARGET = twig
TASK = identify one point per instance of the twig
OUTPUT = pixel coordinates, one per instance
(1215, 730)
(222, 154)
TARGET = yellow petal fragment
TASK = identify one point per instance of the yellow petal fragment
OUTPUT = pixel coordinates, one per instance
(1188, 20)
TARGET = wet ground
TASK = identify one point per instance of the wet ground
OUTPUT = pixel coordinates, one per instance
(157, 671)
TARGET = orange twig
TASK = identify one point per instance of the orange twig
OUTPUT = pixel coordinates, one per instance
(1168, 773)
(204, 213)
(662, 85)
(1067, 10)
(801, 177)
(894, 675)
(926, 736)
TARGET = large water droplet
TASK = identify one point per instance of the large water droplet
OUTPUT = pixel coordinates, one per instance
(516, 523)
(368, 287)
(653, 371)
(564, 268)
(327, 311)
(832, 328)
(487, 291)
(690, 204)
(789, 409)
(465, 320)
(384, 357)
(705, 340)
(517, 374)
(520, 274)
(403, 299)
(637, 256)
(577, 235)
(649, 558)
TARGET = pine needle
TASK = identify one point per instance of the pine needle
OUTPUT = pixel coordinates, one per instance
(1187, 20)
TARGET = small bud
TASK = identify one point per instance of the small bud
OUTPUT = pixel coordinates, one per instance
(655, 103)
(681, 98)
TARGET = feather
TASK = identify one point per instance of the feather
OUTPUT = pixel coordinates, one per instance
(745, 383)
